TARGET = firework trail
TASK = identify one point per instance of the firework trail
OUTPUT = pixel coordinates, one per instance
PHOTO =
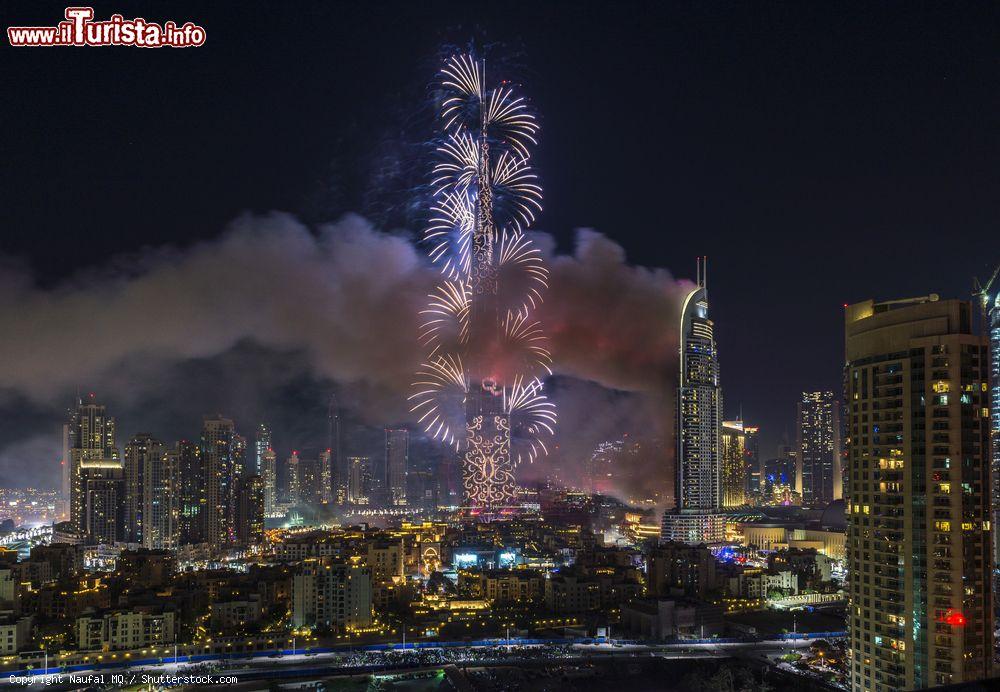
(480, 389)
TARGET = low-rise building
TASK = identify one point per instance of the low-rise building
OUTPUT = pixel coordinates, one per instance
(235, 614)
(660, 619)
(572, 593)
(15, 634)
(122, 630)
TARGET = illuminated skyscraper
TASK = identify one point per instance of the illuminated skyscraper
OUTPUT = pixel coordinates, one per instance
(754, 463)
(919, 562)
(359, 480)
(990, 303)
(261, 444)
(819, 476)
(698, 494)
(310, 478)
(102, 497)
(734, 475)
(397, 457)
(219, 467)
(292, 489)
(161, 499)
(338, 463)
(326, 475)
(186, 458)
(90, 437)
(66, 468)
(142, 451)
(250, 510)
(269, 477)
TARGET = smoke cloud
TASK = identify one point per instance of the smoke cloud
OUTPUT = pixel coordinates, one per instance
(247, 322)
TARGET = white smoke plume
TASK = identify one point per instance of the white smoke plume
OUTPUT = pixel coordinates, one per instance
(340, 301)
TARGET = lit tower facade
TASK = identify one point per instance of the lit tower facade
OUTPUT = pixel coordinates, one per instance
(920, 609)
(481, 387)
(269, 479)
(142, 452)
(818, 472)
(218, 458)
(697, 517)
(161, 499)
(186, 458)
(90, 441)
(261, 445)
(397, 458)
(988, 296)
(734, 462)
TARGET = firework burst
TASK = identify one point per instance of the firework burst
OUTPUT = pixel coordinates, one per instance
(481, 388)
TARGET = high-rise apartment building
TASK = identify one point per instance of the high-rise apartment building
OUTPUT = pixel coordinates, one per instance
(293, 490)
(698, 459)
(991, 315)
(250, 510)
(186, 458)
(160, 494)
(397, 459)
(269, 477)
(734, 475)
(754, 463)
(310, 479)
(338, 462)
(359, 480)
(102, 501)
(326, 475)
(262, 444)
(218, 452)
(919, 558)
(90, 440)
(140, 453)
(818, 470)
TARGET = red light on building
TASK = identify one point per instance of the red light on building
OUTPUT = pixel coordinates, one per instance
(954, 619)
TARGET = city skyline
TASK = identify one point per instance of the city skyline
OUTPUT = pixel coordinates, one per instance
(298, 362)
(748, 295)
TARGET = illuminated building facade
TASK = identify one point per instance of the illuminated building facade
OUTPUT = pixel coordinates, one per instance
(250, 510)
(754, 463)
(734, 474)
(140, 453)
(332, 595)
(326, 475)
(397, 460)
(992, 303)
(918, 543)
(819, 476)
(90, 438)
(160, 495)
(262, 444)
(102, 492)
(359, 480)
(696, 518)
(219, 466)
(186, 458)
(269, 477)
(293, 490)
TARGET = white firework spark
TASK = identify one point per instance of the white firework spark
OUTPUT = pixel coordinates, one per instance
(481, 389)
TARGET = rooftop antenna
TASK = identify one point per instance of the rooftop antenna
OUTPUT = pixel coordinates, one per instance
(697, 265)
(704, 272)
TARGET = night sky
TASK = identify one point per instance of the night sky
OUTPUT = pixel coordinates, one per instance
(818, 153)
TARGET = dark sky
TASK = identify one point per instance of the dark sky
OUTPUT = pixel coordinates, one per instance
(818, 153)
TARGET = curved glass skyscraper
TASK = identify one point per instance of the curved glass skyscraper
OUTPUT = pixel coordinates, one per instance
(698, 460)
